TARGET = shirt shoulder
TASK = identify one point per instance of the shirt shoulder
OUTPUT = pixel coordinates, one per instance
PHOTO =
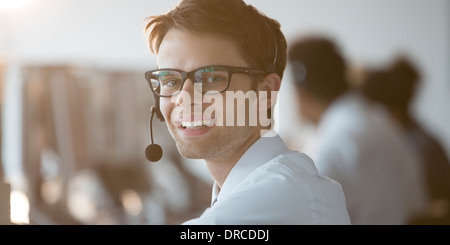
(293, 162)
(285, 190)
(297, 172)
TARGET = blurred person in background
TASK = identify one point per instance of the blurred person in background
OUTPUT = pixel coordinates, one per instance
(357, 143)
(229, 46)
(395, 87)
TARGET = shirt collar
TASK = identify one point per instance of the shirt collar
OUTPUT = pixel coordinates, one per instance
(262, 151)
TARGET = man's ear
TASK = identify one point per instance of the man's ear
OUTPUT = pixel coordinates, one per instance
(271, 86)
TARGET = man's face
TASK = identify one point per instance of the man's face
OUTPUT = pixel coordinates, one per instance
(185, 51)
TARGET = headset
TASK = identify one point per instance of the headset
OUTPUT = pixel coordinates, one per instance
(154, 152)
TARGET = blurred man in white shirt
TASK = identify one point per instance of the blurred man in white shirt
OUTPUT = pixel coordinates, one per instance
(357, 144)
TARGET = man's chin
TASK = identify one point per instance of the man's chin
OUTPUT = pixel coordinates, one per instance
(188, 150)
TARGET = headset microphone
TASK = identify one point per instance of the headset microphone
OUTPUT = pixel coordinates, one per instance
(153, 152)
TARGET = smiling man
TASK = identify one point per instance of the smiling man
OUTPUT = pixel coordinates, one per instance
(211, 54)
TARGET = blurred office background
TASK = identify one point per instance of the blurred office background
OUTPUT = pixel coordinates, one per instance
(75, 104)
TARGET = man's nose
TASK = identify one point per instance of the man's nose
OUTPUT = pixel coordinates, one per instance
(188, 86)
(192, 87)
(190, 93)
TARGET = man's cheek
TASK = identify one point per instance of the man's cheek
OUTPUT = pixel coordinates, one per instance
(168, 109)
(164, 105)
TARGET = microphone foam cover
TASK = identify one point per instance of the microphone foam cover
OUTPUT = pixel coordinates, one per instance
(153, 152)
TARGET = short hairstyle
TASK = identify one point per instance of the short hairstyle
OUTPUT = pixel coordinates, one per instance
(318, 67)
(258, 36)
(393, 86)
(375, 86)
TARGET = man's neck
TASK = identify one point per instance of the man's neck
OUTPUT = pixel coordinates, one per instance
(219, 167)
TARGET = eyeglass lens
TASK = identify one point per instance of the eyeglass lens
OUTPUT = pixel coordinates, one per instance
(169, 82)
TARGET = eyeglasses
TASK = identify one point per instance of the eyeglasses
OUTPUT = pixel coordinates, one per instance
(169, 82)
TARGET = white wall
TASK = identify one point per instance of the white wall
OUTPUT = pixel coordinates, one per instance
(108, 33)
(372, 32)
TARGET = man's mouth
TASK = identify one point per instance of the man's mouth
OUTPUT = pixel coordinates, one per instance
(197, 124)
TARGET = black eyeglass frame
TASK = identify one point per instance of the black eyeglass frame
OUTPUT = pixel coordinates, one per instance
(185, 75)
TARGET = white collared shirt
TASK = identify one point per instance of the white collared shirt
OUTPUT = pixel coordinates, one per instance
(272, 185)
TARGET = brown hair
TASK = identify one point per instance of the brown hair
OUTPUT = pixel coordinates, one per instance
(254, 32)
(323, 68)
(394, 85)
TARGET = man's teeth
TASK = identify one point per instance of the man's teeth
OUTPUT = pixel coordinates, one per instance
(197, 124)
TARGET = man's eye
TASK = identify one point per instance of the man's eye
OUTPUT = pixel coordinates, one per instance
(170, 82)
(214, 79)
